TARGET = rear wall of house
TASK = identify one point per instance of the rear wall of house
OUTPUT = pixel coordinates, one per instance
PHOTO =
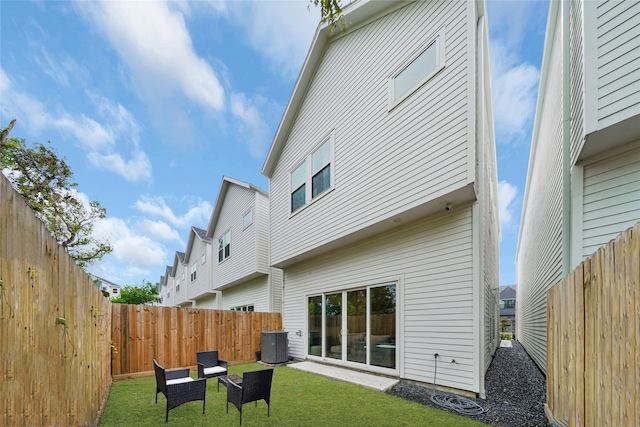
(432, 261)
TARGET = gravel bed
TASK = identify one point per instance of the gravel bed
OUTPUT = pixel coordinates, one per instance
(516, 391)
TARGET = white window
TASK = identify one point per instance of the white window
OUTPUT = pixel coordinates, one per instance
(193, 271)
(177, 285)
(247, 219)
(115, 290)
(313, 177)
(224, 246)
(183, 277)
(204, 258)
(428, 61)
(242, 308)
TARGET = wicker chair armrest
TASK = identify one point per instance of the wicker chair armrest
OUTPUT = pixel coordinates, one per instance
(200, 370)
(223, 363)
(174, 374)
(234, 392)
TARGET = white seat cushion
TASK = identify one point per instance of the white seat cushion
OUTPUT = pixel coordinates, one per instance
(179, 380)
(214, 370)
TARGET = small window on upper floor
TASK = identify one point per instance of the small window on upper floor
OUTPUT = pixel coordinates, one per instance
(312, 177)
(224, 246)
(428, 61)
(247, 219)
(193, 272)
(204, 258)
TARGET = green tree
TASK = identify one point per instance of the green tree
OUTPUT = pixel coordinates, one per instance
(331, 13)
(46, 183)
(144, 294)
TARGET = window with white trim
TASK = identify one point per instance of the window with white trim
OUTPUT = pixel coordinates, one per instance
(177, 285)
(224, 246)
(423, 66)
(193, 271)
(312, 177)
(204, 258)
(242, 308)
(247, 219)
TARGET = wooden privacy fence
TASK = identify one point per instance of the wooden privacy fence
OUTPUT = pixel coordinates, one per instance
(173, 335)
(54, 327)
(593, 339)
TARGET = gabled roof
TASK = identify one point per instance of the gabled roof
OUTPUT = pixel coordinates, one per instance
(355, 13)
(508, 292)
(168, 272)
(200, 234)
(222, 192)
(179, 257)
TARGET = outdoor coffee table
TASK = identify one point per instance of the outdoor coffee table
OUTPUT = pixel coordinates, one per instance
(225, 379)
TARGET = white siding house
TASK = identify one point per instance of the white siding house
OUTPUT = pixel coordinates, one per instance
(383, 195)
(583, 182)
(179, 272)
(240, 272)
(166, 289)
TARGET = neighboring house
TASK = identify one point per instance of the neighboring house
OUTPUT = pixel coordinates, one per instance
(179, 281)
(583, 182)
(109, 287)
(165, 287)
(383, 195)
(199, 261)
(240, 270)
(508, 308)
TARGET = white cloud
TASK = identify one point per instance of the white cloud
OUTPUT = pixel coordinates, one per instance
(506, 196)
(280, 31)
(515, 88)
(157, 206)
(139, 254)
(160, 230)
(154, 42)
(99, 140)
(254, 129)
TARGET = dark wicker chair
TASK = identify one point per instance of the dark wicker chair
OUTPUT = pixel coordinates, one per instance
(178, 387)
(256, 385)
(210, 366)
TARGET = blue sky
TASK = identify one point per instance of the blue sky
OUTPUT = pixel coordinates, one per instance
(152, 102)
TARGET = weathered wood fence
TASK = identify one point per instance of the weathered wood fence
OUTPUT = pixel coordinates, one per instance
(173, 335)
(55, 327)
(593, 339)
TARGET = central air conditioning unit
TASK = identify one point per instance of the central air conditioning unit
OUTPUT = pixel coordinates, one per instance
(274, 347)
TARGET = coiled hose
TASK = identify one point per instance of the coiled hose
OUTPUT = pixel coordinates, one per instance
(459, 404)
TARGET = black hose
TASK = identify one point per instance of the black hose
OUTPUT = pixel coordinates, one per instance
(458, 404)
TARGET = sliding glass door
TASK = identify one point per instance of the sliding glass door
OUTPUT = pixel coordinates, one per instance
(365, 334)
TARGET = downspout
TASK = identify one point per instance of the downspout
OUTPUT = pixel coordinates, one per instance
(566, 137)
(480, 163)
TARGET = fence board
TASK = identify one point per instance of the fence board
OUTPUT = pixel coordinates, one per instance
(173, 335)
(593, 347)
(52, 373)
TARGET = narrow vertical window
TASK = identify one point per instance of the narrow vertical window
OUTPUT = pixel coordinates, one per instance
(247, 219)
(224, 246)
(298, 187)
(193, 272)
(321, 169)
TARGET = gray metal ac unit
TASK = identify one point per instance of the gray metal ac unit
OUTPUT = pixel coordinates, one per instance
(274, 346)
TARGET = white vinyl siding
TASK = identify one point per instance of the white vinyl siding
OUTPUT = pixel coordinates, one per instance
(539, 256)
(277, 281)
(614, 67)
(434, 260)
(252, 292)
(242, 261)
(382, 159)
(201, 284)
(611, 197)
(577, 80)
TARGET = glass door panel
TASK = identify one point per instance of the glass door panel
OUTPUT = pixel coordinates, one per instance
(356, 326)
(315, 326)
(333, 326)
(382, 340)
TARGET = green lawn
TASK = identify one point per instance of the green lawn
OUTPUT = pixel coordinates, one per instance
(297, 399)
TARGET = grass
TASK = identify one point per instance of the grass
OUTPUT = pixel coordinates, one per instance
(297, 399)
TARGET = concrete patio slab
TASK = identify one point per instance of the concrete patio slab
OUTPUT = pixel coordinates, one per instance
(372, 381)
